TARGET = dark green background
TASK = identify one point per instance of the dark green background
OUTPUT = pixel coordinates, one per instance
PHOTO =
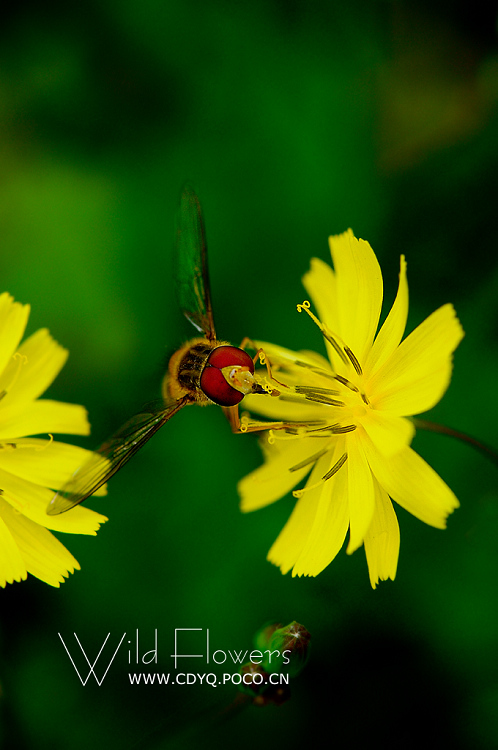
(294, 121)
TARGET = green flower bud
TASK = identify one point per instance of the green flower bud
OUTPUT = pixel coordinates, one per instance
(264, 634)
(292, 642)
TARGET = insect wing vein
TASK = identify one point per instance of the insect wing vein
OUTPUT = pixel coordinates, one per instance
(110, 457)
(192, 270)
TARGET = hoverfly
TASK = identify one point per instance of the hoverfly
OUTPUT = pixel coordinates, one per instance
(203, 371)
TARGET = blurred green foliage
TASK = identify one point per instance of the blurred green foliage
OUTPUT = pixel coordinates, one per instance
(294, 120)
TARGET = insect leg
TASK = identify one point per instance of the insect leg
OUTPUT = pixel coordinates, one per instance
(251, 425)
(263, 359)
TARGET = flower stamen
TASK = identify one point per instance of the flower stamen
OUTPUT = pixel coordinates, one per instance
(340, 347)
(315, 370)
(45, 444)
(353, 360)
(324, 331)
(335, 468)
(310, 460)
(347, 383)
(32, 446)
(321, 395)
(334, 429)
(302, 429)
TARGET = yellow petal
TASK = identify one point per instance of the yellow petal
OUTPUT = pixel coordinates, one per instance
(45, 557)
(289, 543)
(415, 377)
(360, 492)
(291, 540)
(42, 358)
(13, 319)
(412, 483)
(389, 433)
(420, 396)
(45, 462)
(12, 566)
(392, 329)
(278, 475)
(359, 291)
(43, 416)
(330, 524)
(382, 539)
(31, 500)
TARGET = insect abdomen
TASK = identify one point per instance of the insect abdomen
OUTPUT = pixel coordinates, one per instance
(184, 371)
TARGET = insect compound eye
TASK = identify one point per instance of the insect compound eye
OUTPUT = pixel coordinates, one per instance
(213, 382)
(226, 356)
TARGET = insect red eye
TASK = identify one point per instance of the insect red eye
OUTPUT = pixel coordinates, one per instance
(213, 382)
(217, 389)
(224, 356)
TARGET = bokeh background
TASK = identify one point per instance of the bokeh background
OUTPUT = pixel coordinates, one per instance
(294, 120)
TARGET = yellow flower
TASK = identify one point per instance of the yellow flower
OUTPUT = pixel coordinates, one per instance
(30, 466)
(347, 419)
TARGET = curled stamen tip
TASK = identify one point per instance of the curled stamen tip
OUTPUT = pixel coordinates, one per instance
(271, 437)
(45, 445)
(298, 493)
(304, 306)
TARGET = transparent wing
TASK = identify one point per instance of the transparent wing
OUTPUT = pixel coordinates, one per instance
(110, 457)
(192, 272)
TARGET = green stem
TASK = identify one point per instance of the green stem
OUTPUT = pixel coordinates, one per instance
(486, 450)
